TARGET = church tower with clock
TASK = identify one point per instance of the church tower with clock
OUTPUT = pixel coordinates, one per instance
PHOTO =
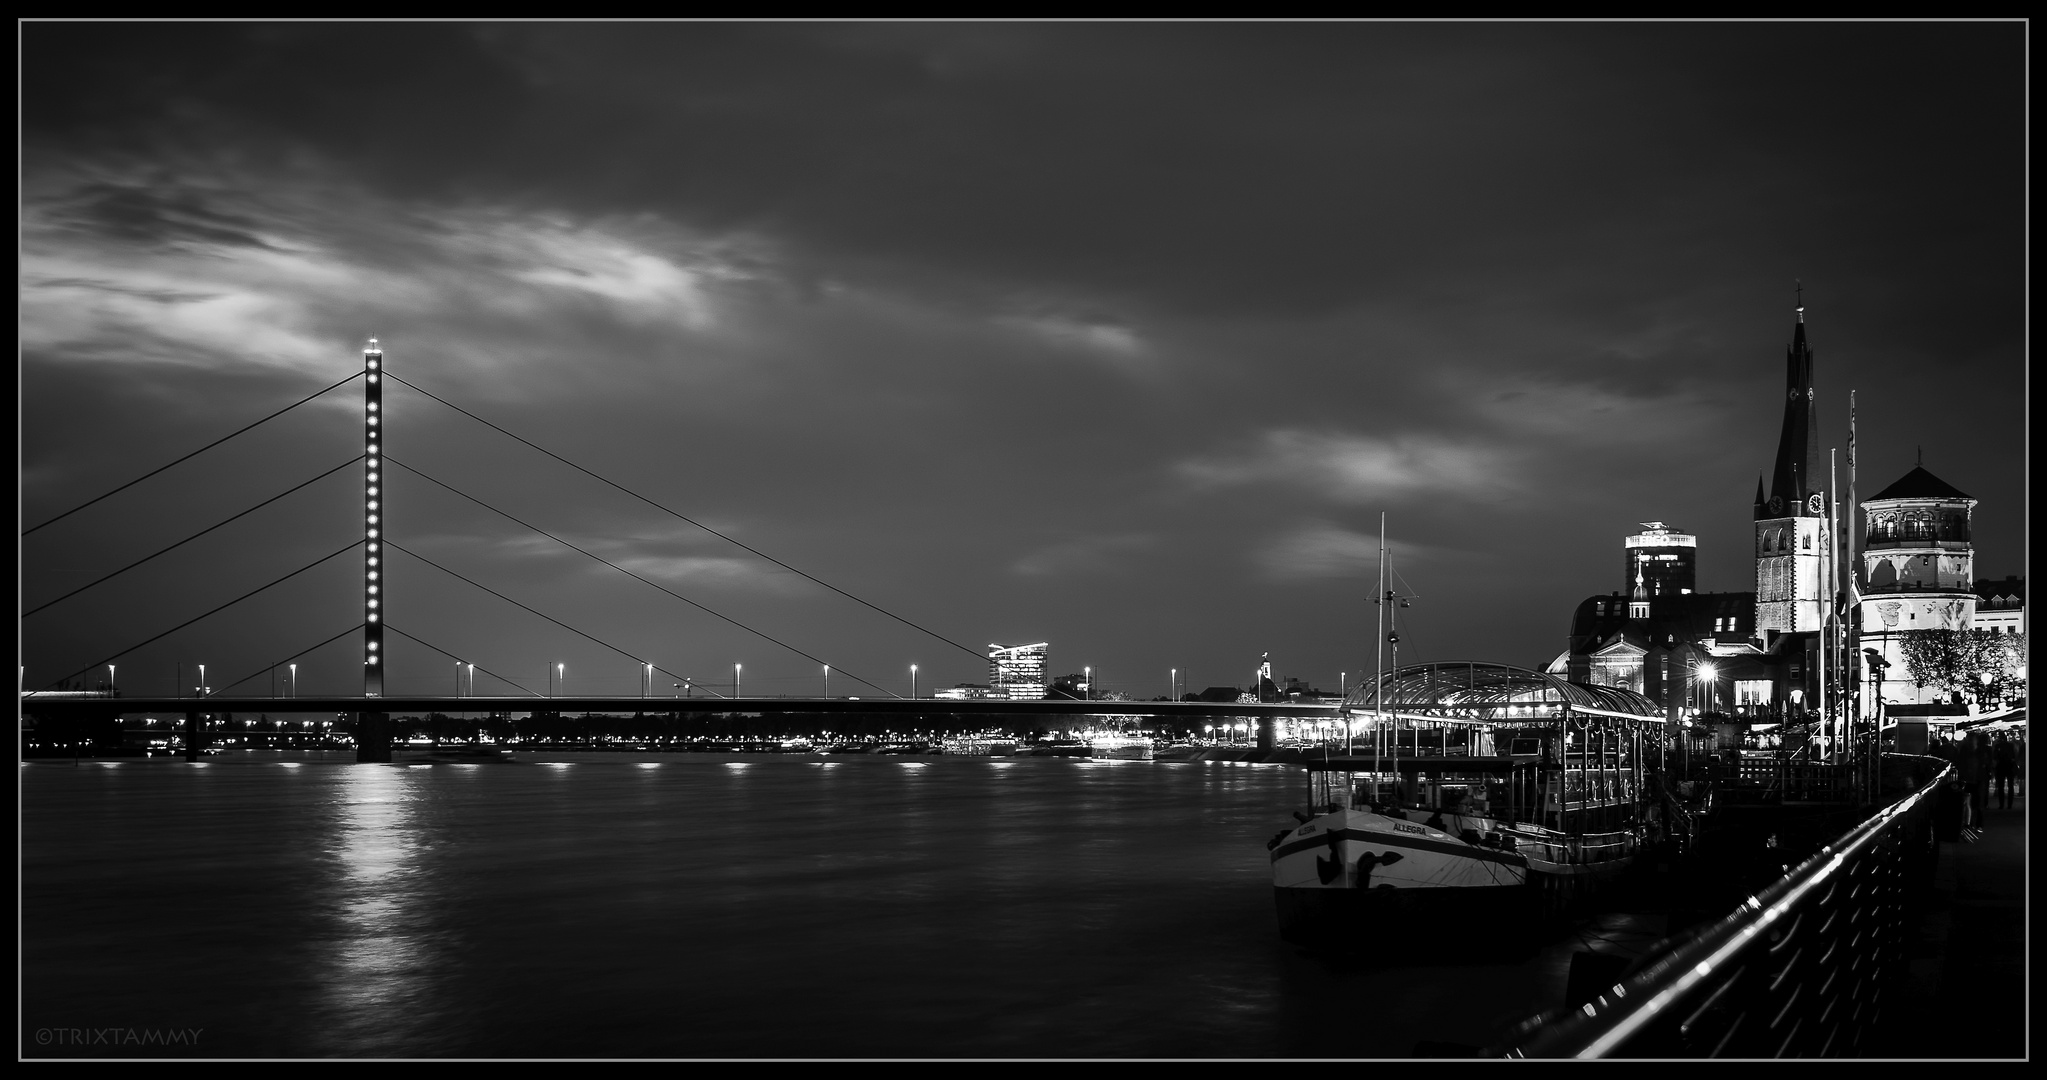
(1791, 520)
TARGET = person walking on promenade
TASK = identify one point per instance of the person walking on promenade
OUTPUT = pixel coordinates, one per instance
(1972, 762)
(2005, 763)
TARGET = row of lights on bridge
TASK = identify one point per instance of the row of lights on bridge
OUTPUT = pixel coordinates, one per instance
(373, 630)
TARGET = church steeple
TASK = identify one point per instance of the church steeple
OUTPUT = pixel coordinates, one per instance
(1791, 527)
(1794, 479)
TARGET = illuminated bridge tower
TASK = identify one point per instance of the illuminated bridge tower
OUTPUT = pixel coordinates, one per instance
(372, 729)
(373, 622)
(1791, 533)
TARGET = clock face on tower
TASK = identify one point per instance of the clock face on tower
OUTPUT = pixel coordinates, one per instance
(1776, 504)
(1816, 504)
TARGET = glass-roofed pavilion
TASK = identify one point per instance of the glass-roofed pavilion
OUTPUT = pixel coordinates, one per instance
(1470, 690)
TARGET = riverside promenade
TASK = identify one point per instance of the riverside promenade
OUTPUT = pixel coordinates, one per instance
(1966, 994)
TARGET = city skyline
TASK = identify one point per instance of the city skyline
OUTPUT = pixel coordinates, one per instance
(1117, 337)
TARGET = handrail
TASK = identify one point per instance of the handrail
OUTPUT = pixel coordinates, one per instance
(1793, 971)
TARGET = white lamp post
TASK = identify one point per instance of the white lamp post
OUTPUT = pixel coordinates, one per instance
(913, 682)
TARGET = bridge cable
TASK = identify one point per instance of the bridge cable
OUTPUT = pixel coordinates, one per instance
(397, 547)
(195, 536)
(628, 573)
(288, 659)
(459, 660)
(609, 645)
(188, 622)
(976, 653)
(189, 456)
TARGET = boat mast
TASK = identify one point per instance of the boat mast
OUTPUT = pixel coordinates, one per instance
(1393, 642)
(1379, 667)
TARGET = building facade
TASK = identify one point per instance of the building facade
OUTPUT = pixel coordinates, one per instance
(1769, 654)
(1918, 574)
(1017, 672)
(1666, 559)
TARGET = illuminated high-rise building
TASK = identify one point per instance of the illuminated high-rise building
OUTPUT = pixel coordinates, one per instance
(1017, 671)
(1666, 559)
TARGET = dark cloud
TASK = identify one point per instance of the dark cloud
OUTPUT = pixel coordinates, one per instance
(1115, 334)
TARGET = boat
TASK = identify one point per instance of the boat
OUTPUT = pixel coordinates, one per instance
(980, 746)
(1120, 748)
(1495, 792)
(1056, 748)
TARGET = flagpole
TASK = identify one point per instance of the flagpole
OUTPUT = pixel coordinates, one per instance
(1831, 643)
(1853, 651)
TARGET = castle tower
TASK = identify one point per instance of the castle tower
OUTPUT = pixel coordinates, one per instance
(1919, 566)
(1791, 525)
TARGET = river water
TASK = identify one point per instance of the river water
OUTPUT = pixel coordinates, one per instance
(700, 906)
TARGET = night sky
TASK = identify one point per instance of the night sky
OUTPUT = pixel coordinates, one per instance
(1120, 337)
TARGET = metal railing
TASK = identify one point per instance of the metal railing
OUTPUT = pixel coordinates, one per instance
(1798, 970)
(1783, 779)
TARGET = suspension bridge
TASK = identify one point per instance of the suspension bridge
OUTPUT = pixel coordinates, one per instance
(373, 708)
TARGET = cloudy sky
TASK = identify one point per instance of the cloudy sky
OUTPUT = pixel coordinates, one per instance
(1117, 336)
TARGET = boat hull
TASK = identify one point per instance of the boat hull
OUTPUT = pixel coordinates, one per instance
(1337, 874)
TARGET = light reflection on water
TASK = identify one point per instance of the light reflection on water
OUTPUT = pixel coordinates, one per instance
(950, 907)
(375, 981)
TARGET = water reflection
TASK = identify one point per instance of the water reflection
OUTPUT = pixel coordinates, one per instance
(373, 989)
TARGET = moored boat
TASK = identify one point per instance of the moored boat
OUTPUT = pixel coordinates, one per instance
(1484, 791)
(980, 746)
(1120, 748)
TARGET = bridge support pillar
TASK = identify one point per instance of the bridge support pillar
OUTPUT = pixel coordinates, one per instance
(373, 738)
(194, 736)
(1267, 725)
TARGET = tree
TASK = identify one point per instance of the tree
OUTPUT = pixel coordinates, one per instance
(1954, 661)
